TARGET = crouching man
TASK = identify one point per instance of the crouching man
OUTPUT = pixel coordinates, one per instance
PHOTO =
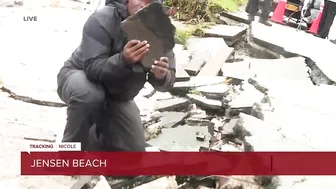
(103, 75)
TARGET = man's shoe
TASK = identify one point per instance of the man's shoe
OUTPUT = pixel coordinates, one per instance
(265, 22)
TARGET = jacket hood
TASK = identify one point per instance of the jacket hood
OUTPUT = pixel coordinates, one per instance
(120, 5)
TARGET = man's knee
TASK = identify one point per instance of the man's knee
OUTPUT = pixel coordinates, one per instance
(79, 89)
(92, 95)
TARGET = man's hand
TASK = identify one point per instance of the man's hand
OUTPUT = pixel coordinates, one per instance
(134, 51)
(160, 68)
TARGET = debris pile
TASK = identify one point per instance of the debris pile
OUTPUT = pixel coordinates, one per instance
(223, 100)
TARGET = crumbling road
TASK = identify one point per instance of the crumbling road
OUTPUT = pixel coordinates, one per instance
(214, 100)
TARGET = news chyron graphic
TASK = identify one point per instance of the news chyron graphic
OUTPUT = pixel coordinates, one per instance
(52, 147)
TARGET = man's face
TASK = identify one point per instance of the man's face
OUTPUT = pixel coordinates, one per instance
(135, 5)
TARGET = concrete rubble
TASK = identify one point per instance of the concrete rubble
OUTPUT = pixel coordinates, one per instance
(251, 105)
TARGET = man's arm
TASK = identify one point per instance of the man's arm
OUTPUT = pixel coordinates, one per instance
(99, 65)
(168, 82)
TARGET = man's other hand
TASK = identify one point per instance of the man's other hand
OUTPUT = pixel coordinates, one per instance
(134, 51)
(160, 68)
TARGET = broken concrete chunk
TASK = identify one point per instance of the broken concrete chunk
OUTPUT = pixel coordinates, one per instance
(256, 127)
(238, 70)
(218, 123)
(227, 129)
(162, 96)
(230, 148)
(199, 114)
(171, 119)
(246, 99)
(214, 91)
(200, 136)
(158, 31)
(231, 34)
(178, 139)
(152, 131)
(198, 122)
(181, 74)
(175, 104)
(205, 103)
(259, 87)
(196, 63)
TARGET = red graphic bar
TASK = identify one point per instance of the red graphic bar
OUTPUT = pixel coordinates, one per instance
(178, 163)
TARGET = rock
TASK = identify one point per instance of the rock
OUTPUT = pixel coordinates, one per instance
(175, 104)
(204, 103)
(200, 136)
(257, 85)
(231, 34)
(158, 31)
(171, 119)
(214, 91)
(181, 138)
(196, 63)
(153, 131)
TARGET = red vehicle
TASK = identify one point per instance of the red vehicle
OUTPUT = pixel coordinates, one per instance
(293, 11)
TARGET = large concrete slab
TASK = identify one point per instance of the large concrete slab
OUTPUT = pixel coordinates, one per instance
(285, 68)
(321, 51)
(33, 58)
(17, 121)
(231, 34)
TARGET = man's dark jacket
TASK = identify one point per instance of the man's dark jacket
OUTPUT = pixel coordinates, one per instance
(99, 55)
